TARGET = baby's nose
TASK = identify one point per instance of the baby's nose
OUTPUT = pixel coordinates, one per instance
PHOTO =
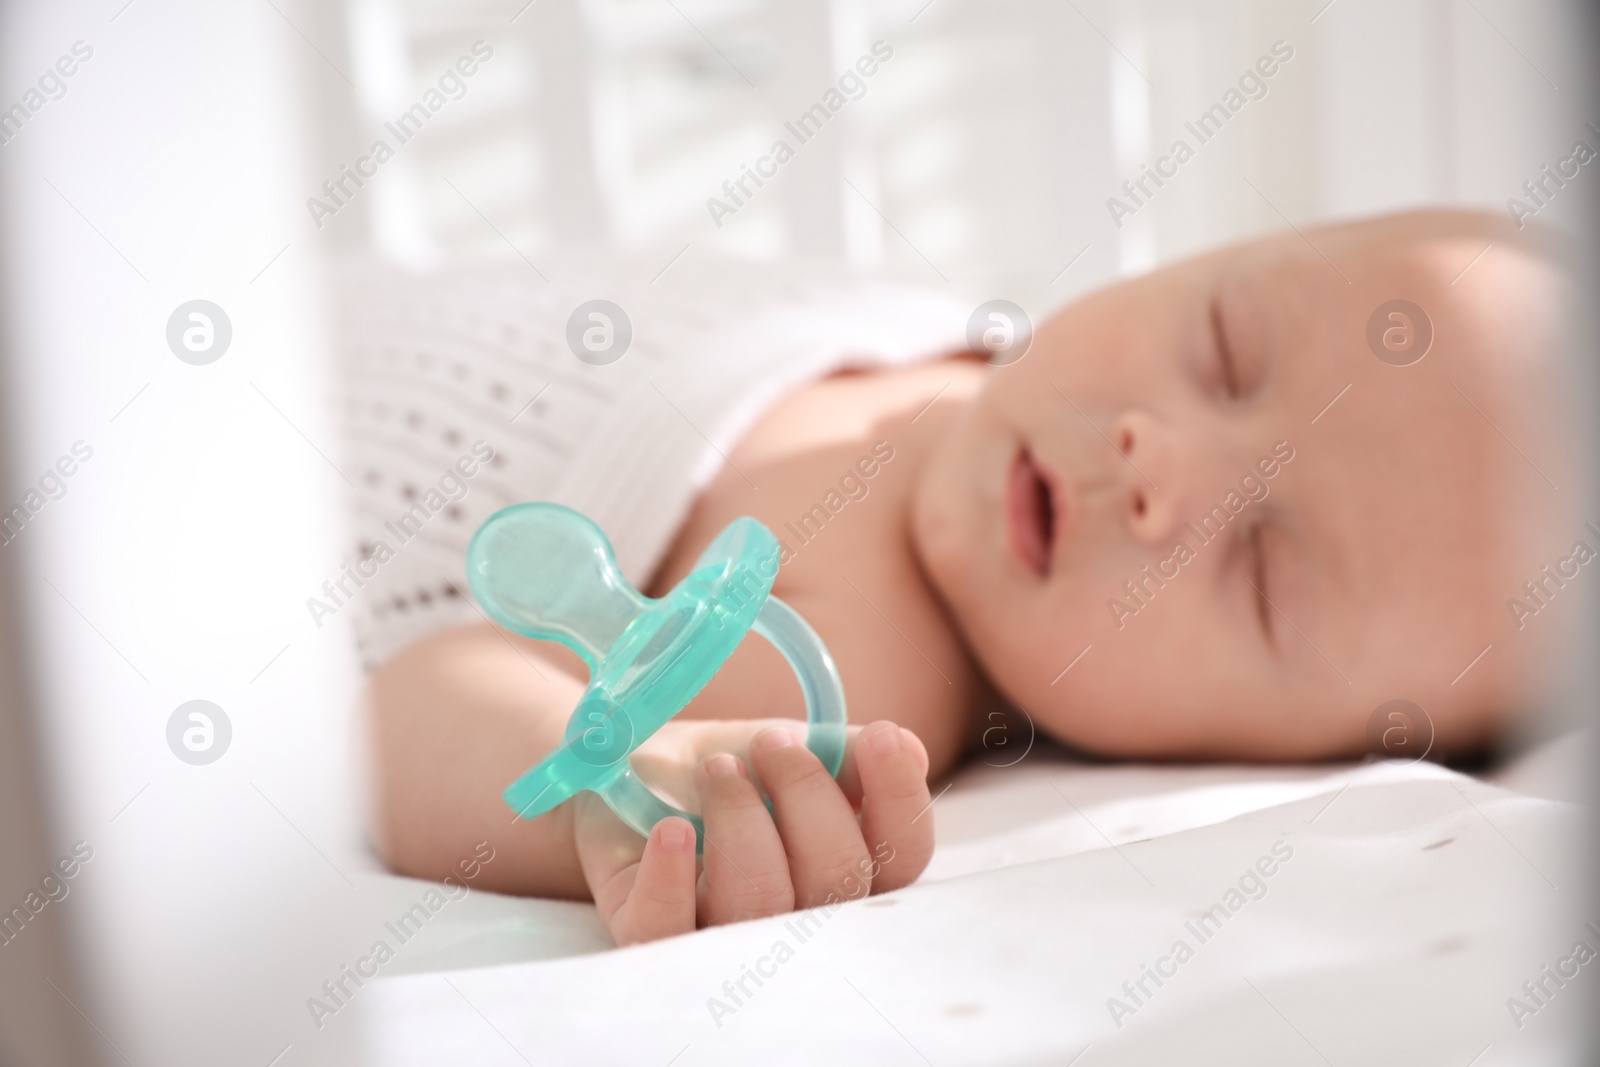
(1155, 479)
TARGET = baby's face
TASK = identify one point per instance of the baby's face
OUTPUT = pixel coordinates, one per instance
(1201, 517)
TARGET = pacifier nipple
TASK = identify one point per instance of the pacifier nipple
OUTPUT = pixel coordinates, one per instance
(548, 572)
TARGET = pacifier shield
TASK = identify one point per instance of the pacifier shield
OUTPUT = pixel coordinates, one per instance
(600, 731)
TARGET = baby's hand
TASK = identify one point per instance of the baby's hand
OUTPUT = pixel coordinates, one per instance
(869, 831)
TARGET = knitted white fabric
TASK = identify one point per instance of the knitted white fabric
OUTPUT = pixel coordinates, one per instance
(475, 357)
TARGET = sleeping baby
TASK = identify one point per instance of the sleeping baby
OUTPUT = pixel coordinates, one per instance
(1225, 510)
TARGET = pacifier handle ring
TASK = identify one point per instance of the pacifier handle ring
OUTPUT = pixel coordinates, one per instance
(826, 717)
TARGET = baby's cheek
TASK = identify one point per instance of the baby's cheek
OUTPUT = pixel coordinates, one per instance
(1085, 682)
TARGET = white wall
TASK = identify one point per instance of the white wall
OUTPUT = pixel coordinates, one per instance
(993, 138)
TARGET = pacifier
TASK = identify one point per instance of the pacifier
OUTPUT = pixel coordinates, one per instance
(547, 572)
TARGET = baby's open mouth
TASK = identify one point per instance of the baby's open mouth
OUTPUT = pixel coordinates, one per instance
(1031, 513)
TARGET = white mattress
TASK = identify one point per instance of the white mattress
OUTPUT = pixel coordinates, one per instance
(1416, 901)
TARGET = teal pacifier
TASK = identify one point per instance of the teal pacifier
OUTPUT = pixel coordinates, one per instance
(548, 572)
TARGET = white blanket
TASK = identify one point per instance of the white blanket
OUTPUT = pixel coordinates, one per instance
(1361, 914)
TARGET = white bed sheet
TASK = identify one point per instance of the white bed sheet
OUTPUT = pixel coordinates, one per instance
(1416, 902)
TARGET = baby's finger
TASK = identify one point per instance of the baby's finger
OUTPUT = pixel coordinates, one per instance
(818, 826)
(896, 811)
(746, 870)
(662, 900)
(644, 890)
(850, 777)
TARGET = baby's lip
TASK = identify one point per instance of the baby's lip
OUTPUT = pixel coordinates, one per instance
(1034, 511)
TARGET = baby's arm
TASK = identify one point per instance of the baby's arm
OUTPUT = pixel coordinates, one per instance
(458, 715)
(454, 718)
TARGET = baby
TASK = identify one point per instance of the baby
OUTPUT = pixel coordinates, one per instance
(1221, 511)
